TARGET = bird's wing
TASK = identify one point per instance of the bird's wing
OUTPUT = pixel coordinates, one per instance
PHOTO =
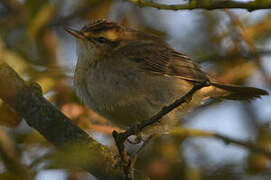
(161, 59)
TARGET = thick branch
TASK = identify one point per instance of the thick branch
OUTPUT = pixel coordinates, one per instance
(28, 102)
(206, 4)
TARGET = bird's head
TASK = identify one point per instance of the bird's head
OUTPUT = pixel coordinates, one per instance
(104, 37)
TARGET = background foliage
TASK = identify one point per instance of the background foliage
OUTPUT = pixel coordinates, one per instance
(233, 44)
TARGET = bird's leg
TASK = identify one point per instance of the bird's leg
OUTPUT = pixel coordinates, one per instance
(120, 139)
(133, 157)
(137, 140)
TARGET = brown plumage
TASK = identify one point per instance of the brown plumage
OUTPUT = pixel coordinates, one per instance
(128, 75)
(162, 59)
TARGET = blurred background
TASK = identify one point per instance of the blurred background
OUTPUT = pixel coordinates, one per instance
(235, 45)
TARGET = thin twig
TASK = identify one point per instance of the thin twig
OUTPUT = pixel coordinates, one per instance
(209, 5)
(236, 55)
(120, 138)
(251, 49)
(190, 132)
(246, 144)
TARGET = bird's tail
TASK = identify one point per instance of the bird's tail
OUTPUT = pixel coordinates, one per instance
(234, 92)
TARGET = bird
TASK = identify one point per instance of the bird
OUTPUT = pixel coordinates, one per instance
(128, 76)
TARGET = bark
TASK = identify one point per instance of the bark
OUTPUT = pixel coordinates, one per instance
(76, 148)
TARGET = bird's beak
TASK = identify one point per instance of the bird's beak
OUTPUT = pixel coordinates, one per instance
(75, 33)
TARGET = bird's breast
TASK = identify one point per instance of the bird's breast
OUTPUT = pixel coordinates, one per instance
(113, 93)
(125, 96)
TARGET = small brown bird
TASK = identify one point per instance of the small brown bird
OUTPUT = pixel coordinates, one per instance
(128, 76)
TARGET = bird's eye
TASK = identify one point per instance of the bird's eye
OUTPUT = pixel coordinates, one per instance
(101, 39)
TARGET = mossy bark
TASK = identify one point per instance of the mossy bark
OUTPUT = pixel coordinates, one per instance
(76, 148)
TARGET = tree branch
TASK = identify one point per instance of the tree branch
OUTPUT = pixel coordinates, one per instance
(28, 102)
(236, 55)
(85, 152)
(206, 4)
(180, 131)
(120, 138)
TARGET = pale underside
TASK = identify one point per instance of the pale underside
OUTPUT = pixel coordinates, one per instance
(126, 95)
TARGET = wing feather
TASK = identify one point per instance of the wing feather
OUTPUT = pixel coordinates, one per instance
(161, 59)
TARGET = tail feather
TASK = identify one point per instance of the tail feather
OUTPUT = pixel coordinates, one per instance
(235, 92)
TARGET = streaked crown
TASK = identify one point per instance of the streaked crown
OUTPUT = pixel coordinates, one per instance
(103, 28)
(114, 32)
